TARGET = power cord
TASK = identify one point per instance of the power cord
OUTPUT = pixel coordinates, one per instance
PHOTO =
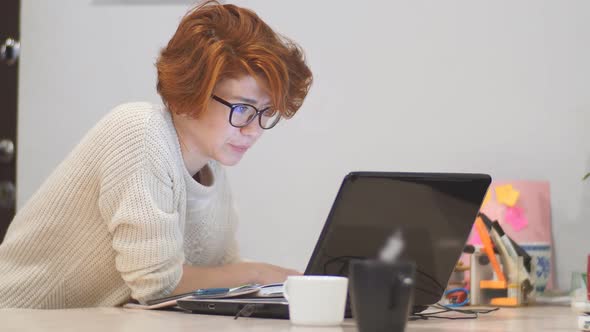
(246, 311)
(343, 261)
(459, 290)
(342, 265)
(470, 313)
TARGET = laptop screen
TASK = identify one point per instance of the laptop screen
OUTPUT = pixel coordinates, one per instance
(433, 211)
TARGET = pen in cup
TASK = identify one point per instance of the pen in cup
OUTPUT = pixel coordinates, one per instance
(511, 251)
(517, 272)
(518, 249)
(488, 248)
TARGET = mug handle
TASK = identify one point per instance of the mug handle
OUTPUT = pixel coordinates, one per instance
(285, 292)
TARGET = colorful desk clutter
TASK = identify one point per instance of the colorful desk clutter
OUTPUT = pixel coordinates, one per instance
(521, 210)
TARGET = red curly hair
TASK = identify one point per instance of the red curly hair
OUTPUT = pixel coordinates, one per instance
(214, 42)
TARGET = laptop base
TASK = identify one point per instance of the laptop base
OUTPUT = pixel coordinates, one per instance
(246, 307)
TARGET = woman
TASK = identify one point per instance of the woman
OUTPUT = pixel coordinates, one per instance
(141, 208)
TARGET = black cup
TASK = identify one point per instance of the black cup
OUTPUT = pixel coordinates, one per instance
(381, 294)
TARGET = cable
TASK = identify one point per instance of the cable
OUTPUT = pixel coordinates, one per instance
(471, 313)
(246, 311)
(341, 265)
(345, 260)
(438, 284)
(457, 290)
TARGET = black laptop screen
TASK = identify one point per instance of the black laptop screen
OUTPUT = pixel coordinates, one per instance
(434, 212)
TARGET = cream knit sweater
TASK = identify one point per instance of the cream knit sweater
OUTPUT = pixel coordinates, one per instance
(117, 219)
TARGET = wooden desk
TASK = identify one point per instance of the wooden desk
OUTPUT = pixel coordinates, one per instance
(132, 320)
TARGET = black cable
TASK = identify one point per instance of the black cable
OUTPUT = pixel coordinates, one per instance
(424, 317)
(471, 313)
(428, 291)
(246, 311)
(344, 260)
(441, 288)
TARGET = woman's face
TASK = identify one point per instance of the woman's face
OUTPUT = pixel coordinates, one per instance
(212, 136)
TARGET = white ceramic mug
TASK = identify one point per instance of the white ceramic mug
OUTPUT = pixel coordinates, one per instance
(316, 300)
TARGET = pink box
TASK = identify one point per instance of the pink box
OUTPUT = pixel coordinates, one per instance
(528, 222)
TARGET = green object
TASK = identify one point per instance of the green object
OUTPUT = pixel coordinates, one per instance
(586, 176)
(578, 281)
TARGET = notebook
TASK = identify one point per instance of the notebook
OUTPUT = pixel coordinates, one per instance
(433, 211)
(249, 290)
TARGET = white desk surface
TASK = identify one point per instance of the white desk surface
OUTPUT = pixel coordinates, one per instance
(121, 320)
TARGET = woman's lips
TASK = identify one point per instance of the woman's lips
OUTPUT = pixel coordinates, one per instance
(239, 148)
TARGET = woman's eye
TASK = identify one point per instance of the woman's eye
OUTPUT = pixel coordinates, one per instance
(241, 109)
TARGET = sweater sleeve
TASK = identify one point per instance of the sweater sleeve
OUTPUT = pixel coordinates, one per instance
(147, 237)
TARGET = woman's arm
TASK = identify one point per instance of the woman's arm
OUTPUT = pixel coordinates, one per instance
(230, 275)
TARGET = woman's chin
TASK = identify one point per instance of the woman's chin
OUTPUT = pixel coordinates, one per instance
(229, 161)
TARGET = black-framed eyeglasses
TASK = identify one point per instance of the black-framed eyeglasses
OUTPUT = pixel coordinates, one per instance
(242, 114)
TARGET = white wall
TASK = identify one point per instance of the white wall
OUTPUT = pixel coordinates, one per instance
(457, 85)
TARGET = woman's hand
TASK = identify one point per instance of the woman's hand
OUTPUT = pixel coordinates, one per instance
(263, 273)
(230, 275)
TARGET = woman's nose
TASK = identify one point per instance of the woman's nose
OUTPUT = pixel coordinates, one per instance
(252, 129)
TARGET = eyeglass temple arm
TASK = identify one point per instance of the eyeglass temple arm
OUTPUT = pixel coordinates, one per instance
(221, 101)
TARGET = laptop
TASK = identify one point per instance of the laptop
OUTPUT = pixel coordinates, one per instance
(433, 211)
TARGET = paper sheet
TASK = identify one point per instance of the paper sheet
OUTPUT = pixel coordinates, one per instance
(507, 195)
(516, 218)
